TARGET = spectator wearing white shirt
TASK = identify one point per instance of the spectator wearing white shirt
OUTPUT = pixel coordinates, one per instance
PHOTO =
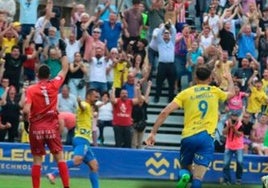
(105, 114)
(72, 45)
(98, 69)
(67, 103)
(66, 100)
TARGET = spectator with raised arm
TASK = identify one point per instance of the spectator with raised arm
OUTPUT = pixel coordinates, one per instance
(122, 116)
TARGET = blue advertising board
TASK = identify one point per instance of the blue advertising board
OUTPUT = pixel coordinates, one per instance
(127, 163)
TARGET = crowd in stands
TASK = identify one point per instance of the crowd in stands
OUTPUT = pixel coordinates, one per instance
(119, 52)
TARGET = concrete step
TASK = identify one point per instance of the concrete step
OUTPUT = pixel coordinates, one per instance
(157, 110)
(169, 120)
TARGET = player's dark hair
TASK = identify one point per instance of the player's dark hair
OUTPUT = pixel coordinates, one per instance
(43, 72)
(136, 2)
(203, 73)
(90, 91)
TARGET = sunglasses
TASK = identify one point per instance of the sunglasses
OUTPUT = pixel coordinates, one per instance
(96, 32)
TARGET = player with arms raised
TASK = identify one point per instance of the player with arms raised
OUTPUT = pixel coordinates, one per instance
(41, 110)
(200, 104)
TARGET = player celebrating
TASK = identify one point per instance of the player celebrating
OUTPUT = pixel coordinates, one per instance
(200, 104)
(41, 110)
(82, 139)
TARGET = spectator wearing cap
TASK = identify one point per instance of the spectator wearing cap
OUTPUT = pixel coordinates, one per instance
(28, 15)
(139, 48)
(92, 43)
(233, 131)
(166, 69)
(132, 20)
(111, 31)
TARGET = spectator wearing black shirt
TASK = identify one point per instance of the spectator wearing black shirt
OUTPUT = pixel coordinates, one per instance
(13, 66)
(247, 127)
(12, 103)
(227, 41)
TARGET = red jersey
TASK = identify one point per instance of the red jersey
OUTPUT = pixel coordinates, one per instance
(43, 98)
(29, 63)
(122, 114)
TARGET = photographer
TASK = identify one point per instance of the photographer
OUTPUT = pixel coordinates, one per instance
(234, 145)
(166, 68)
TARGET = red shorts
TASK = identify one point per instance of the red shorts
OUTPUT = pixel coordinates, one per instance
(45, 132)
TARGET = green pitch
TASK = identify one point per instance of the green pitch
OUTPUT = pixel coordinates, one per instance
(25, 182)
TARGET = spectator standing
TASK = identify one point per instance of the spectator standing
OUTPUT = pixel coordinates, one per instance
(105, 116)
(156, 15)
(257, 96)
(257, 135)
(122, 120)
(235, 104)
(129, 85)
(153, 52)
(132, 20)
(247, 128)
(227, 39)
(264, 19)
(263, 51)
(72, 45)
(166, 68)
(98, 69)
(41, 110)
(9, 38)
(92, 43)
(28, 15)
(120, 67)
(221, 67)
(183, 43)
(53, 62)
(243, 73)
(246, 42)
(12, 103)
(234, 145)
(66, 100)
(139, 115)
(78, 71)
(104, 9)
(29, 66)
(13, 66)
(111, 31)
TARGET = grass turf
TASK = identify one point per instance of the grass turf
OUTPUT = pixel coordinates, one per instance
(10, 181)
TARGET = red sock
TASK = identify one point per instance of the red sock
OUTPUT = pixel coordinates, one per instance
(36, 173)
(64, 173)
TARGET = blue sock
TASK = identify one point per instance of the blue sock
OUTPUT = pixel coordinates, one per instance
(93, 176)
(69, 163)
(196, 183)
